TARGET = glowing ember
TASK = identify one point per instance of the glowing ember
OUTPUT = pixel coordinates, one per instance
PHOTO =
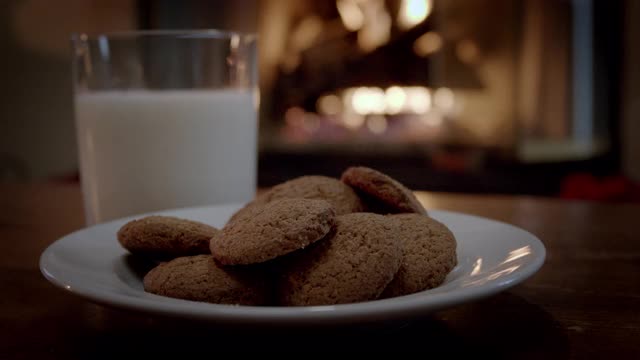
(413, 12)
(427, 44)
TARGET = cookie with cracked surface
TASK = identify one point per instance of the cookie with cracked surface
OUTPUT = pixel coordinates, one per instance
(199, 278)
(341, 196)
(273, 229)
(166, 237)
(429, 254)
(245, 211)
(383, 194)
(354, 264)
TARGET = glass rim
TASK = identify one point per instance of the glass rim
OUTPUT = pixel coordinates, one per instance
(178, 33)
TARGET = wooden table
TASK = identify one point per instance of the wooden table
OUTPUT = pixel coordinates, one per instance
(583, 303)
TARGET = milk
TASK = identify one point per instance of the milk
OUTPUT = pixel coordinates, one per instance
(144, 151)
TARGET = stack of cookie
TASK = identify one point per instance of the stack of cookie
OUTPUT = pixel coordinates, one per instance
(313, 240)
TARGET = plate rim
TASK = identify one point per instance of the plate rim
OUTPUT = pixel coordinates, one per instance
(375, 310)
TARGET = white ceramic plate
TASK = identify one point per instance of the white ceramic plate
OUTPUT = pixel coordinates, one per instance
(492, 257)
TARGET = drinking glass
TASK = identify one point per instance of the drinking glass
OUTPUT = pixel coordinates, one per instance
(165, 119)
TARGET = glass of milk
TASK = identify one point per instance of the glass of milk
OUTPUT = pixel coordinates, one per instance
(165, 119)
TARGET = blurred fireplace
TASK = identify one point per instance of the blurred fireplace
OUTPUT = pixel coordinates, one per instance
(456, 95)
(395, 74)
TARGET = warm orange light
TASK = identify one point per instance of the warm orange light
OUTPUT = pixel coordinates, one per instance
(413, 12)
(376, 29)
(306, 32)
(427, 44)
(477, 267)
(368, 101)
(467, 51)
(353, 121)
(374, 100)
(418, 99)
(350, 14)
(377, 124)
(518, 253)
(395, 99)
(329, 104)
(444, 99)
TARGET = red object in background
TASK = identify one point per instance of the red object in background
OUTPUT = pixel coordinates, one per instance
(611, 188)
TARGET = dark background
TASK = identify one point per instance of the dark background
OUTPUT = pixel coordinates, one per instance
(524, 152)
